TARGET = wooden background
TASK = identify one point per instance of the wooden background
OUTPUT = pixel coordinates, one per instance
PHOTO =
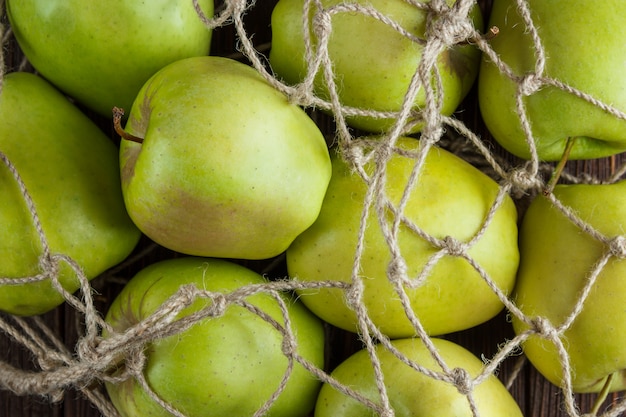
(536, 396)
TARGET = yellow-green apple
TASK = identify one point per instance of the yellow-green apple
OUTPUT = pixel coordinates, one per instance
(227, 166)
(70, 170)
(450, 202)
(411, 392)
(228, 364)
(577, 53)
(557, 258)
(372, 62)
(101, 53)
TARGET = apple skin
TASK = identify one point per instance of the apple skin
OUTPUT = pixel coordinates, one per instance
(451, 198)
(228, 167)
(556, 259)
(102, 53)
(223, 366)
(70, 169)
(373, 63)
(584, 47)
(411, 393)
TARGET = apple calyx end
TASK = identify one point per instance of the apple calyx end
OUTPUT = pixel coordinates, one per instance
(118, 113)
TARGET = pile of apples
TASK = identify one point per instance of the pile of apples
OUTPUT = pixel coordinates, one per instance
(384, 234)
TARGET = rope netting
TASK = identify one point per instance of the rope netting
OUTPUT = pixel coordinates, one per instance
(446, 26)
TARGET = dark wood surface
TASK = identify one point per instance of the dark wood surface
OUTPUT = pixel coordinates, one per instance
(536, 396)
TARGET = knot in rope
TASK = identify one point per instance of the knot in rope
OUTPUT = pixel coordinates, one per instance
(321, 25)
(431, 134)
(397, 269)
(87, 351)
(449, 25)
(353, 154)
(49, 264)
(219, 306)
(289, 346)
(50, 361)
(521, 179)
(530, 84)
(354, 294)
(135, 362)
(387, 413)
(462, 381)
(453, 246)
(544, 328)
(617, 247)
(300, 94)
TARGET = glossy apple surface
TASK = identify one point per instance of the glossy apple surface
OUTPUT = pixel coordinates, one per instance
(412, 393)
(70, 170)
(451, 198)
(557, 258)
(228, 365)
(584, 48)
(101, 53)
(373, 63)
(227, 167)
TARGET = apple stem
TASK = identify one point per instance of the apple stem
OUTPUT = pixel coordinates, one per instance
(560, 166)
(602, 395)
(117, 125)
(492, 33)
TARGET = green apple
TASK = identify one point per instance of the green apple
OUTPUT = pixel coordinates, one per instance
(226, 167)
(226, 365)
(70, 171)
(102, 52)
(451, 199)
(557, 258)
(372, 63)
(584, 48)
(412, 393)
